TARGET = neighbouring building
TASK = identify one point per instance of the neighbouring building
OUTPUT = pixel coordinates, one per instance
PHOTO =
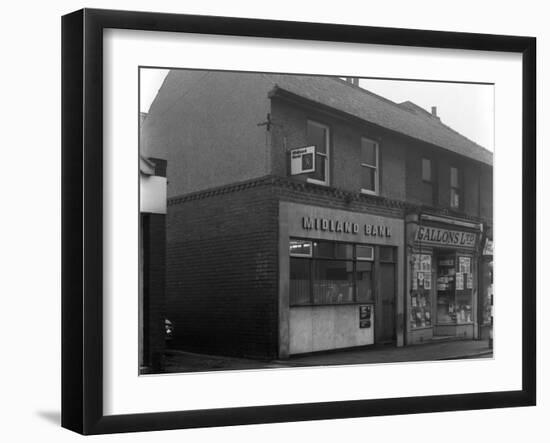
(152, 260)
(385, 240)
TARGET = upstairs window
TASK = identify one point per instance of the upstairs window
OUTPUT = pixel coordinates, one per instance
(369, 166)
(429, 181)
(455, 188)
(426, 170)
(318, 135)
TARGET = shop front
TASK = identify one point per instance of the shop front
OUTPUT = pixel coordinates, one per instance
(340, 279)
(442, 278)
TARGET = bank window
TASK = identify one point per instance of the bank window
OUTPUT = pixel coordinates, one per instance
(332, 282)
(318, 135)
(369, 166)
(427, 170)
(300, 281)
(327, 249)
(455, 188)
(364, 252)
(325, 272)
(300, 248)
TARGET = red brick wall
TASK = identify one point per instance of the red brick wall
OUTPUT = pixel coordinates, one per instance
(222, 263)
(345, 134)
(222, 273)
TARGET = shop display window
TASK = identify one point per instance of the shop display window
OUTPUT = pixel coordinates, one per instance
(421, 298)
(454, 289)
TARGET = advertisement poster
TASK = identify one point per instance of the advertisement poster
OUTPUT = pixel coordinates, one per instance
(428, 280)
(464, 265)
(422, 263)
(469, 281)
(459, 282)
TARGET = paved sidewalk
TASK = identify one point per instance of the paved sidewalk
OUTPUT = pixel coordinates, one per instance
(180, 361)
(389, 354)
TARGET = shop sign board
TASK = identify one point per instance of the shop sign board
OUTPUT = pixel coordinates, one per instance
(445, 237)
(322, 223)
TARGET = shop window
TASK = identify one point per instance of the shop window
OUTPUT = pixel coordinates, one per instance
(369, 166)
(454, 289)
(325, 273)
(420, 301)
(456, 202)
(318, 135)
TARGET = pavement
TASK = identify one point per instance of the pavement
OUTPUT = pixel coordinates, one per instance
(181, 361)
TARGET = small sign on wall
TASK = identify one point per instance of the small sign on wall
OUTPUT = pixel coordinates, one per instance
(302, 160)
(365, 316)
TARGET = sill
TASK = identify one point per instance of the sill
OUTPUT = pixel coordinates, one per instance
(317, 182)
(367, 192)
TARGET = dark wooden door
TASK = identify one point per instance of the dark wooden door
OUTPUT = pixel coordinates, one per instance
(386, 304)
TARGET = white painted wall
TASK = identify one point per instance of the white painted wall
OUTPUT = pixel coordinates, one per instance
(318, 328)
(152, 194)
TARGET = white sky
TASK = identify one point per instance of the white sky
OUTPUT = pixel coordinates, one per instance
(467, 108)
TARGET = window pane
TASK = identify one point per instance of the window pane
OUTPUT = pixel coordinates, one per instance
(455, 198)
(332, 282)
(454, 178)
(299, 281)
(364, 282)
(343, 250)
(317, 135)
(368, 152)
(387, 254)
(426, 169)
(464, 307)
(320, 168)
(364, 252)
(446, 308)
(300, 247)
(327, 249)
(324, 249)
(368, 178)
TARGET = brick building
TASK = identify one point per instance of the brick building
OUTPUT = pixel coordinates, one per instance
(383, 242)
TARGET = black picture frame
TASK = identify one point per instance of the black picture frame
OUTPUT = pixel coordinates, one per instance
(82, 259)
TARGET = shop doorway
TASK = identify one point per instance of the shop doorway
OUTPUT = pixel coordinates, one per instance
(385, 327)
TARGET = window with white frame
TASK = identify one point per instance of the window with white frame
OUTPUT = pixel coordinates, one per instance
(455, 188)
(318, 135)
(369, 166)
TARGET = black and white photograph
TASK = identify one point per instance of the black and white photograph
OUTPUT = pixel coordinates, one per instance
(298, 220)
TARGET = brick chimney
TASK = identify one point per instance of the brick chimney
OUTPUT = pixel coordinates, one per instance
(434, 111)
(353, 80)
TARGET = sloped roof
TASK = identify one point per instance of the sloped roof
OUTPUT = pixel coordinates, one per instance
(406, 118)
